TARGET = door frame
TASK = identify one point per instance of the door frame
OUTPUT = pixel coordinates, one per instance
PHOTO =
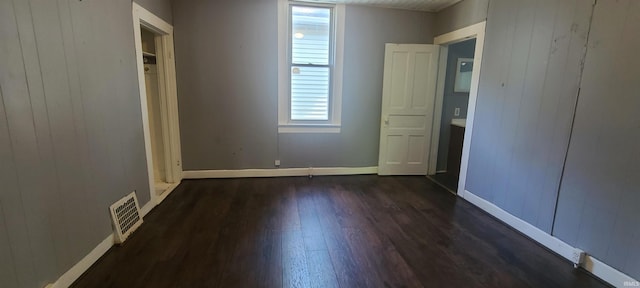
(167, 93)
(476, 31)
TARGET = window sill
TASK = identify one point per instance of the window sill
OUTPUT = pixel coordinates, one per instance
(305, 128)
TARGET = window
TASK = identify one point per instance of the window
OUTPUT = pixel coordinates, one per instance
(310, 72)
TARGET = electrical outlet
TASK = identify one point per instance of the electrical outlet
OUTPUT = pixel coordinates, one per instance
(456, 112)
(277, 163)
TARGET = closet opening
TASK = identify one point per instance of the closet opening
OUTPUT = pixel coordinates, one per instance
(158, 102)
(151, 82)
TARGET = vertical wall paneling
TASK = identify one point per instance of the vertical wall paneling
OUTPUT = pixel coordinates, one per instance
(524, 165)
(526, 101)
(559, 97)
(84, 169)
(491, 89)
(85, 27)
(7, 264)
(70, 132)
(598, 202)
(30, 173)
(13, 218)
(513, 90)
(129, 126)
(102, 86)
(59, 111)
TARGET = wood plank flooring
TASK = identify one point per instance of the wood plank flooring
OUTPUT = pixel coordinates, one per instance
(342, 231)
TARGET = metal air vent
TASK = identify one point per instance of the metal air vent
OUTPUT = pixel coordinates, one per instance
(126, 217)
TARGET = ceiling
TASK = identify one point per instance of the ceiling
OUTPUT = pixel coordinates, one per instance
(420, 5)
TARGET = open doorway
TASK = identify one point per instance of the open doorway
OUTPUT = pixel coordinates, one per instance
(456, 95)
(157, 137)
(158, 102)
(457, 84)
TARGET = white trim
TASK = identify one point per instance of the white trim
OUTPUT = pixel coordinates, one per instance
(151, 21)
(338, 65)
(168, 93)
(152, 204)
(283, 67)
(284, 123)
(591, 264)
(147, 208)
(77, 270)
(563, 249)
(172, 109)
(460, 35)
(308, 129)
(285, 172)
(474, 31)
(166, 193)
(606, 272)
(83, 265)
(137, 12)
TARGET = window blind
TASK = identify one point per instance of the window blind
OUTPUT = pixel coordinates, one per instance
(310, 63)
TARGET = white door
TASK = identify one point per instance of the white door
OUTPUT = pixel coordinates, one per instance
(408, 94)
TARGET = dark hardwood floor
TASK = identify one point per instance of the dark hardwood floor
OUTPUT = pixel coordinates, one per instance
(447, 180)
(343, 231)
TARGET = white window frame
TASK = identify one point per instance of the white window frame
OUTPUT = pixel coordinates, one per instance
(285, 124)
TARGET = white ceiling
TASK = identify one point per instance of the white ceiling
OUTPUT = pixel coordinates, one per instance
(420, 5)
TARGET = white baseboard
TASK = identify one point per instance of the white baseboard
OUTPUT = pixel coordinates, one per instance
(591, 264)
(165, 194)
(76, 271)
(147, 208)
(158, 199)
(283, 172)
(565, 250)
(608, 273)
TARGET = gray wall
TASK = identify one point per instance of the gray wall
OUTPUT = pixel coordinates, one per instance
(460, 15)
(70, 132)
(599, 198)
(452, 100)
(525, 125)
(160, 8)
(226, 61)
(528, 87)
(226, 53)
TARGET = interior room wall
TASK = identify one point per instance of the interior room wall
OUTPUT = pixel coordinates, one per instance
(460, 15)
(599, 197)
(367, 29)
(452, 100)
(526, 99)
(226, 53)
(525, 126)
(71, 138)
(160, 8)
